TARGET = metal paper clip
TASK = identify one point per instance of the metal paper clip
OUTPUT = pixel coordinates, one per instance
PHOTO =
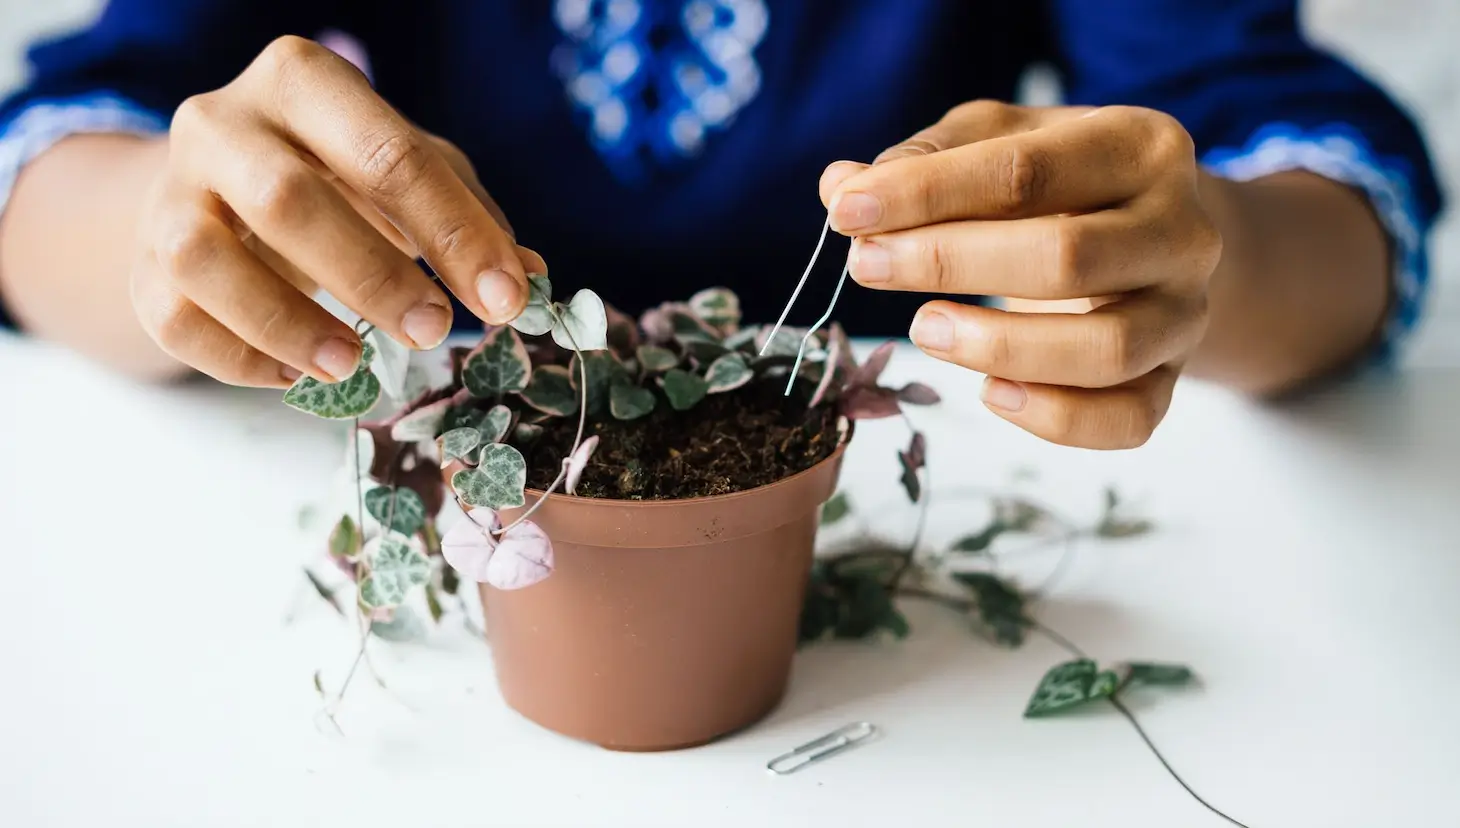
(829, 745)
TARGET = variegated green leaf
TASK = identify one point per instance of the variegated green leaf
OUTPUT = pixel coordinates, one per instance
(391, 362)
(457, 444)
(718, 306)
(345, 400)
(496, 423)
(498, 366)
(1071, 685)
(656, 360)
(728, 373)
(1156, 674)
(537, 318)
(582, 324)
(395, 565)
(630, 402)
(604, 371)
(400, 509)
(551, 391)
(498, 482)
(683, 389)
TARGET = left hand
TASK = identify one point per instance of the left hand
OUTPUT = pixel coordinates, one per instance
(1099, 206)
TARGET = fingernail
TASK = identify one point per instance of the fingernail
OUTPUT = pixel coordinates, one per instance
(427, 324)
(853, 211)
(337, 358)
(1002, 394)
(500, 295)
(289, 373)
(933, 331)
(871, 262)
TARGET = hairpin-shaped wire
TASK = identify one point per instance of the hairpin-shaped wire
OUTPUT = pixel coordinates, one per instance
(805, 340)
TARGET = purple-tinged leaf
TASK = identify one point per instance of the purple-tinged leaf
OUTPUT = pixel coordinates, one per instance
(623, 334)
(657, 325)
(845, 360)
(913, 459)
(468, 546)
(863, 403)
(868, 372)
(718, 307)
(728, 373)
(551, 391)
(827, 385)
(422, 424)
(498, 366)
(577, 463)
(524, 556)
(916, 393)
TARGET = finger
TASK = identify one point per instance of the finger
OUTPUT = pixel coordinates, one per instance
(1050, 257)
(326, 105)
(1110, 345)
(1121, 417)
(306, 220)
(209, 265)
(1072, 166)
(467, 172)
(182, 330)
(965, 124)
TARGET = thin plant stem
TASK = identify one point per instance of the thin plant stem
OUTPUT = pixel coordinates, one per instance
(577, 439)
(816, 254)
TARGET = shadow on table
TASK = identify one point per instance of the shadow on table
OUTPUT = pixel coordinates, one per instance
(942, 650)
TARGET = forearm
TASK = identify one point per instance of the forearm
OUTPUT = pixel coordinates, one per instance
(66, 242)
(1303, 283)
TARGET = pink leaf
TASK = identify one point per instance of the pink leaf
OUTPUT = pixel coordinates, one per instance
(469, 545)
(829, 372)
(916, 393)
(623, 334)
(578, 462)
(870, 370)
(913, 460)
(845, 361)
(524, 556)
(864, 403)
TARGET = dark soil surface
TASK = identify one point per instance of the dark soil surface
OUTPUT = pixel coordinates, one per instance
(727, 443)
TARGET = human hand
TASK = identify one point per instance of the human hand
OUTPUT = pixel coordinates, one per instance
(297, 176)
(1099, 206)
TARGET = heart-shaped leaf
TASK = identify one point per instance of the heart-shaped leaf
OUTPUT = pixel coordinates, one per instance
(786, 343)
(683, 389)
(346, 400)
(913, 458)
(395, 565)
(577, 463)
(498, 481)
(703, 351)
(495, 424)
(979, 542)
(404, 625)
(743, 339)
(400, 509)
(551, 391)
(657, 324)
(497, 366)
(345, 543)
(469, 544)
(458, 444)
(524, 556)
(688, 327)
(422, 424)
(835, 509)
(582, 323)
(716, 306)
(525, 434)
(870, 403)
(870, 371)
(1000, 607)
(916, 393)
(1156, 674)
(656, 360)
(623, 334)
(1071, 685)
(629, 402)
(392, 360)
(604, 371)
(536, 319)
(728, 373)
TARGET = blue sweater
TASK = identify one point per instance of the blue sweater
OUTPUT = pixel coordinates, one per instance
(653, 147)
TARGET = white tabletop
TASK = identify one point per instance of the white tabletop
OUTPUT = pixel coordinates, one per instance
(157, 652)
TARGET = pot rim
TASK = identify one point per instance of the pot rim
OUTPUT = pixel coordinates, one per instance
(845, 426)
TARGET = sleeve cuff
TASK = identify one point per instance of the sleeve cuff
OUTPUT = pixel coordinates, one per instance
(38, 126)
(1340, 153)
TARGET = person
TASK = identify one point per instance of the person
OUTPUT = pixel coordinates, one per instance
(1217, 196)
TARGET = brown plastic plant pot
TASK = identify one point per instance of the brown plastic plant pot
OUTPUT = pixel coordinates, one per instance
(666, 624)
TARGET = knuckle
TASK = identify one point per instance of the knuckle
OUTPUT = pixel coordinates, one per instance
(1023, 172)
(196, 115)
(918, 144)
(1073, 259)
(1168, 139)
(1142, 414)
(1120, 349)
(286, 55)
(374, 290)
(938, 264)
(284, 194)
(172, 324)
(185, 249)
(451, 239)
(980, 111)
(393, 163)
(1060, 420)
(994, 352)
(1208, 242)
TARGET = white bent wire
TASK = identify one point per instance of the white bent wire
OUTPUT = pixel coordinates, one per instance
(799, 285)
(801, 351)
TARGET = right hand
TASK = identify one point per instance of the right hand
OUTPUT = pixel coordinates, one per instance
(297, 176)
